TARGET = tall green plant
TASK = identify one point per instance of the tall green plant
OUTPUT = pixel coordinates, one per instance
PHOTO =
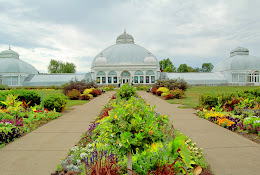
(131, 127)
(126, 92)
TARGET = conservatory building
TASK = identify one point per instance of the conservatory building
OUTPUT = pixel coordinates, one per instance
(238, 69)
(14, 71)
(125, 62)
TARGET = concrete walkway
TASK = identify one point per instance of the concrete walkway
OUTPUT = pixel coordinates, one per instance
(227, 153)
(39, 152)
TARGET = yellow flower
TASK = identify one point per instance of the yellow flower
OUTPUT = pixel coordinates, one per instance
(115, 116)
(153, 146)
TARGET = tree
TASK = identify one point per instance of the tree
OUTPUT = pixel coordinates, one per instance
(183, 68)
(167, 66)
(207, 67)
(60, 67)
(191, 69)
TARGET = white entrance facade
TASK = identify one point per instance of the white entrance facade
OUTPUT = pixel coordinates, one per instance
(125, 62)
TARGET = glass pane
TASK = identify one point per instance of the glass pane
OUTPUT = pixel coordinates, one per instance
(112, 73)
(98, 79)
(138, 72)
(152, 79)
(234, 77)
(147, 79)
(101, 73)
(141, 79)
(241, 77)
(149, 72)
(7, 80)
(115, 79)
(14, 80)
(136, 79)
(109, 79)
(125, 74)
(103, 80)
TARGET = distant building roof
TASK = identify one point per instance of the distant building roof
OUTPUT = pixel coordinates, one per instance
(239, 60)
(199, 77)
(54, 79)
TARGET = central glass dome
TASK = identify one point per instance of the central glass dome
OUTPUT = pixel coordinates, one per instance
(124, 52)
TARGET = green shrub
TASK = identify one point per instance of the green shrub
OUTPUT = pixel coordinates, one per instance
(142, 87)
(27, 95)
(126, 92)
(211, 100)
(177, 93)
(55, 101)
(74, 94)
(3, 87)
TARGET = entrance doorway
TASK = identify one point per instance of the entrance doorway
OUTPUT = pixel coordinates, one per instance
(125, 80)
(125, 77)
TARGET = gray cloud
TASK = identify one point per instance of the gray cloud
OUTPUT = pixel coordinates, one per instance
(191, 31)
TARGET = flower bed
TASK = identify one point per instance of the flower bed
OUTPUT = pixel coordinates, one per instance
(18, 119)
(129, 136)
(238, 112)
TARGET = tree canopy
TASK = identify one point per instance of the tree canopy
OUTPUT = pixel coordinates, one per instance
(183, 68)
(207, 67)
(167, 66)
(60, 67)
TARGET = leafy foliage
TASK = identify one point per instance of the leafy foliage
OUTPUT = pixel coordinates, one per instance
(60, 67)
(73, 94)
(55, 101)
(207, 67)
(30, 97)
(183, 68)
(172, 84)
(3, 87)
(79, 85)
(167, 66)
(126, 92)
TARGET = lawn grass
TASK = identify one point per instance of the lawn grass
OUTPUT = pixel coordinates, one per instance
(192, 95)
(70, 103)
(74, 102)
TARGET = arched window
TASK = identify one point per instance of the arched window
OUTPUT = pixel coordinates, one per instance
(101, 76)
(150, 77)
(138, 77)
(254, 77)
(125, 74)
(112, 77)
(149, 72)
(101, 73)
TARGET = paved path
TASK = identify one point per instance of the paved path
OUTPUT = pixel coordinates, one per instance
(228, 153)
(39, 152)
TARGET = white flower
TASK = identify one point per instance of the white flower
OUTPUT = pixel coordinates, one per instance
(257, 121)
(83, 155)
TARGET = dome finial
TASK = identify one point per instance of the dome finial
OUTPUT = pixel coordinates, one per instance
(9, 47)
(124, 30)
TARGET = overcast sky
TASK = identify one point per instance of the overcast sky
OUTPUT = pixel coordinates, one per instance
(186, 31)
